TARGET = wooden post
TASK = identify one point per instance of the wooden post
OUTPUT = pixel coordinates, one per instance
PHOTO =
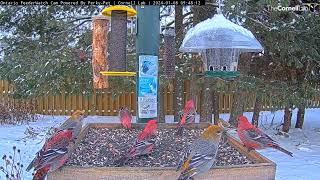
(99, 49)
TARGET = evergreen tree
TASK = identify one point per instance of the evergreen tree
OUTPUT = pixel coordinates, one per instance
(290, 42)
(47, 49)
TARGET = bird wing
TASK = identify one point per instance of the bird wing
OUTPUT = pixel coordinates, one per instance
(199, 159)
(51, 156)
(188, 116)
(143, 147)
(183, 158)
(198, 163)
(191, 116)
(59, 139)
(54, 147)
(257, 136)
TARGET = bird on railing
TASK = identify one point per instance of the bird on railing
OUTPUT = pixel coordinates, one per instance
(253, 138)
(53, 155)
(56, 150)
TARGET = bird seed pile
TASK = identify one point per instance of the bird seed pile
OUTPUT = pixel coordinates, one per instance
(102, 146)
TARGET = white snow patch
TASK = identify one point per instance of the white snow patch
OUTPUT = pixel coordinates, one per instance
(305, 144)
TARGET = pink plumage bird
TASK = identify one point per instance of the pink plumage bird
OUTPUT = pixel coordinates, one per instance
(148, 131)
(253, 138)
(189, 114)
(53, 154)
(125, 117)
(56, 149)
(144, 144)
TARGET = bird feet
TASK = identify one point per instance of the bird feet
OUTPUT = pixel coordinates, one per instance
(250, 149)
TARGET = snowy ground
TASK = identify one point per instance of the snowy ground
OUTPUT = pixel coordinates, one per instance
(305, 144)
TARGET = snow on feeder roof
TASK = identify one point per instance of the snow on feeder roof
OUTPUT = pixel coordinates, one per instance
(219, 32)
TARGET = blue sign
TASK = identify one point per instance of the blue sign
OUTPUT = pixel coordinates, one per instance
(148, 86)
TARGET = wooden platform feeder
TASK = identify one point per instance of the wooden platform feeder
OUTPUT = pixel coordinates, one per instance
(262, 169)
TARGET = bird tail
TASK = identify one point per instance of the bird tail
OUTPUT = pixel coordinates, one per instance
(180, 131)
(120, 162)
(282, 150)
(185, 177)
(182, 177)
(30, 166)
(41, 174)
(188, 174)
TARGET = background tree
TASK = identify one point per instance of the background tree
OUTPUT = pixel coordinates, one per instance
(289, 39)
(47, 48)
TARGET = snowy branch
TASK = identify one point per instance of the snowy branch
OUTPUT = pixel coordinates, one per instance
(185, 15)
(74, 27)
(258, 22)
(81, 18)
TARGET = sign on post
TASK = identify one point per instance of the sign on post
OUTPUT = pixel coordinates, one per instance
(148, 86)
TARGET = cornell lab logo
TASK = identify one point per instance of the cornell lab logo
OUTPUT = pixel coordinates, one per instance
(311, 7)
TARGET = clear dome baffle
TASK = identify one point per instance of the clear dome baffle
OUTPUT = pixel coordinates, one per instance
(219, 32)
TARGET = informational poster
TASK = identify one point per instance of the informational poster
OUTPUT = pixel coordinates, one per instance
(148, 86)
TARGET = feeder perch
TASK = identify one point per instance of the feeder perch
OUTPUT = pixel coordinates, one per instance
(220, 42)
(113, 73)
(118, 37)
(169, 52)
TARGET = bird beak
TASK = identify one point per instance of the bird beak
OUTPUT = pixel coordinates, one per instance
(230, 128)
(219, 133)
(225, 125)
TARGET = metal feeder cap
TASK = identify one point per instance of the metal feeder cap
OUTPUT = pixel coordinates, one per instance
(130, 11)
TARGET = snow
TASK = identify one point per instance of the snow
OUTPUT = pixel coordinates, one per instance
(305, 143)
(219, 32)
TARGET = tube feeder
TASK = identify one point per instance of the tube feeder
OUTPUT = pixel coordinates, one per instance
(118, 37)
(169, 52)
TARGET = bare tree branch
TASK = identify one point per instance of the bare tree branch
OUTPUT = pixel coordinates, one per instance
(185, 15)
(74, 19)
(258, 22)
(81, 18)
(74, 27)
